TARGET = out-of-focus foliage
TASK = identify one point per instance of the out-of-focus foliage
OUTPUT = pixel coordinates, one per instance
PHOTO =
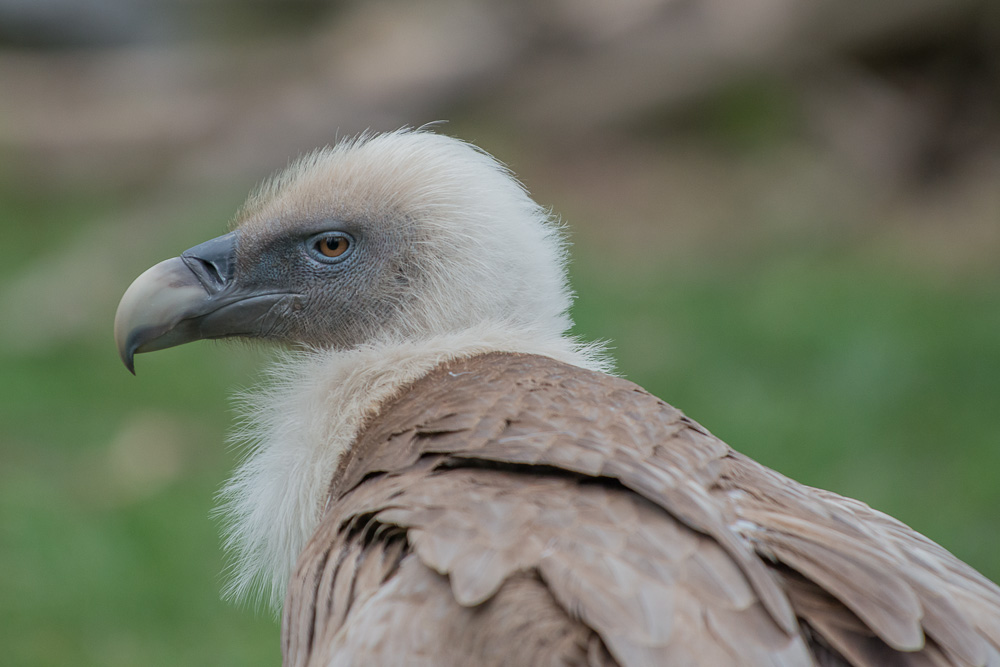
(786, 219)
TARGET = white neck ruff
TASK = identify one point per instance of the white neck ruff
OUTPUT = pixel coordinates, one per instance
(308, 412)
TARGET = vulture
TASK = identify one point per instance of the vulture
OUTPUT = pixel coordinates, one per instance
(437, 473)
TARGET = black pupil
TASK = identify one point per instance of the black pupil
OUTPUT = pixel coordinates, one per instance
(333, 243)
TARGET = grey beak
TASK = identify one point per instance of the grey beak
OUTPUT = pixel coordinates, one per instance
(192, 297)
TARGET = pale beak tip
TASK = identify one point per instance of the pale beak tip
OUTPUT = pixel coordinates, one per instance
(152, 306)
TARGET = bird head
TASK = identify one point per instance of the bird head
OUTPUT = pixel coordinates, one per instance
(382, 238)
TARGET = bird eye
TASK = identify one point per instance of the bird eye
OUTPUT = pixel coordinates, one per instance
(331, 246)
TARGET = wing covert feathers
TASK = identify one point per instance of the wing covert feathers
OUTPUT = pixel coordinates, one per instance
(510, 510)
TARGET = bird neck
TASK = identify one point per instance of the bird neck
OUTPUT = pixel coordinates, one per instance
(296, 426)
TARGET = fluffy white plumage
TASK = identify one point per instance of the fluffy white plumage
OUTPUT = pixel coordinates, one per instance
(310, 408)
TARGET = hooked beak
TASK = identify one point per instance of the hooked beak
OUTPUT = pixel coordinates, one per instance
(192, 297)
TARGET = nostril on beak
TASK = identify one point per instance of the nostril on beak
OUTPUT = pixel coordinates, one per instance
(213, 261)
(208, 271)
(211, 270)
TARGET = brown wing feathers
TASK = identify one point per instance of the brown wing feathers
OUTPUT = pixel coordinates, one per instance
(510, 509)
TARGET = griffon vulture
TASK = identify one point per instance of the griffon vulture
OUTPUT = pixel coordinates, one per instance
(439, 475)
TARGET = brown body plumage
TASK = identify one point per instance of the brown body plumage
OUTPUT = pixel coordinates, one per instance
(510, 510)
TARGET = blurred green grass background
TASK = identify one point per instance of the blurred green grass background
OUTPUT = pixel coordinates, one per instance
(840, 325)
